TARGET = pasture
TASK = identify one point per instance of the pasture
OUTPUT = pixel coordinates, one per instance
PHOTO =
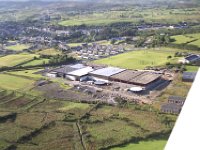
(50, 51)
(190, 39)
(13, 60)
(140, 59)
(36, 62)
(18, 47)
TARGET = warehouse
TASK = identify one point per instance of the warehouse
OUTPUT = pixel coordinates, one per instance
(64, 70)
(188, 76)
(80, 74)
(140, 78)
(104, 74)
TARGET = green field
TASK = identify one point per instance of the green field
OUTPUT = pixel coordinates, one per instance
(18, 47)
(15, 83)
(144, 145)
(192, 68)
(140, 59)
(13, 60)
(190, 39)
(36, 62)
(50, 51)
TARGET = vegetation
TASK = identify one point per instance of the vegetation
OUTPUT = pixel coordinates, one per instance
(141, 59)
(13, 60)
(18, 47)
(36, 62)
(50, 51)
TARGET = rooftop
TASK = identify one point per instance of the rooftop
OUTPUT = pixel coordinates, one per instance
(109, 71)
(81, 72)
(64, 69)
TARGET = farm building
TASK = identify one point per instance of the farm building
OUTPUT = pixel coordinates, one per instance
(190, 59)
(63, 71)
(104, 74)
(140, 78)
(188, 76)
(171, 108)
(80, 74)
(52, 74)
(176, 100)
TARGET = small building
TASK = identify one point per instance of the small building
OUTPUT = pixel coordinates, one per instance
(80, 74)
(176, 100)
(188, 76)
(63, 71)
(171, 108)
(190, 59)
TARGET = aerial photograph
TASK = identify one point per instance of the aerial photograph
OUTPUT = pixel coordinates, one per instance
(95, 74)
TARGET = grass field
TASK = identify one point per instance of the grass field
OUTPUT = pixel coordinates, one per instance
(18, 47)
(13, 60)
(191, 39)
(36, 62)
(50, 51)
(192, 68)
(15, 83)
(144, 145)
(140, 59)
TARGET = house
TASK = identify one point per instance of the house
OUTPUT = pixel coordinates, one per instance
(79, 75)
(188, 76)
(176, 100)
(171, 108)
(190, 59)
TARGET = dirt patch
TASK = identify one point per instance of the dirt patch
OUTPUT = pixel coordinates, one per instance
(54, 91)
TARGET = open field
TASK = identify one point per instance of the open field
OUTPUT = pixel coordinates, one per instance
(13, 60)
(144, 145)
(15, 83)
(50, 51)
(18, 47)
(140, 59)
(190, 39)
(191, 68)
(36, 62)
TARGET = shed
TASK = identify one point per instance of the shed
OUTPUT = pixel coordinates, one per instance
(176, 100)
(61, 72)
(188, 76)
(171, 108)
(52, 74)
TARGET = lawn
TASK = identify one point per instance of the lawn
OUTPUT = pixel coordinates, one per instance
(13, 60)
(50, 51)
(144, 145)
(192, 68)
(18, 47)
(36, 62)
(140, 59)
(15, 83)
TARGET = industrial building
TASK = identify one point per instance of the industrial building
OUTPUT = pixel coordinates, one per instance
(140, 78)
(188, 76)
(104, 74)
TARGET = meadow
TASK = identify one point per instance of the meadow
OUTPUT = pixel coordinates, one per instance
(13, 60)
(190, 39)
(141, 59)
(50, 51)
(36, 62)
(18, 47)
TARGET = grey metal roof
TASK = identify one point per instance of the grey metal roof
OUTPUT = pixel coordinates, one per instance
(109, 71)
(78, 66)
(65, 69)
(171, 106)
(189, 75)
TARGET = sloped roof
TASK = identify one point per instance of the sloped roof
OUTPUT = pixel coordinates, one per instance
(81, 72)
(109, 71)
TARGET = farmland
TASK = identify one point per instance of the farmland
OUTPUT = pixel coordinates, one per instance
(140, 59)
(18, 47)
(50, 51)
(13, 60)
(190, 39)
(36, 62)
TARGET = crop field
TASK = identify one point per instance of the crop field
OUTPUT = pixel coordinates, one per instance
(50, 51)
(191, 39)
(13, 60)
(140, 59)
(36, 62)
(18, 47)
